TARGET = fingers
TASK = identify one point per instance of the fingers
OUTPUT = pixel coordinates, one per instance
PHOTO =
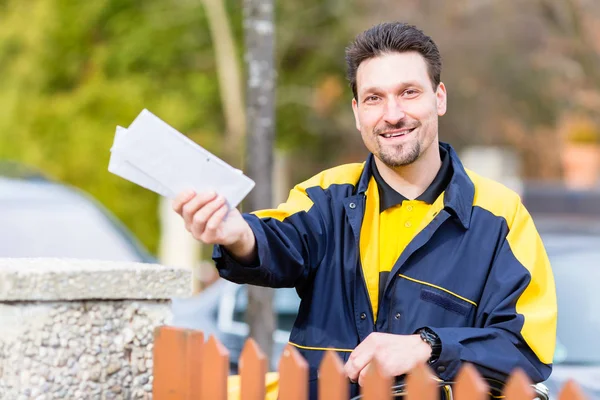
(218, 216)
(357, 361)
(363, 374)
(191, 207)
(354, 366)
(201, 213)
(181, 199)
(210, 227)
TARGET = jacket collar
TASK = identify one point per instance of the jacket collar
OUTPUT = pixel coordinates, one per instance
(388, 197)
(458, 196)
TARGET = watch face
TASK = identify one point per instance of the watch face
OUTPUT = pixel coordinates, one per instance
(429, 337)
(433, 341)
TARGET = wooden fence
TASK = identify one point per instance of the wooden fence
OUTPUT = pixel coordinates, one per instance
(186, 367)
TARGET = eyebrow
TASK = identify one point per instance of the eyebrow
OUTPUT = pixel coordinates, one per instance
(402, 85)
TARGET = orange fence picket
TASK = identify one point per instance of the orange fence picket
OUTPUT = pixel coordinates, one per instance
(195, 346)
(377, 384)
(518, 387)
(174, 353)
(420, 384)
(293, 380)
(571, 391)
(186, 368)
(470, 385)
(214, 371)
(253, 369)
(333, 383)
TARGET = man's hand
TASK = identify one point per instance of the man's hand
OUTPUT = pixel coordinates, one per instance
(396, 355)
(208, 218)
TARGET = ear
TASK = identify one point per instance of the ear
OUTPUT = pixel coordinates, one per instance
(355, 110)
(441, 99)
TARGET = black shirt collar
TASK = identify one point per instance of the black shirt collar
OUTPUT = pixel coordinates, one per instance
(388, 197)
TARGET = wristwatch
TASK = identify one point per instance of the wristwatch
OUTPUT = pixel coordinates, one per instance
(433, 340)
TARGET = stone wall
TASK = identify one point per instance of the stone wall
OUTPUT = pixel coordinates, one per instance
(72, 329)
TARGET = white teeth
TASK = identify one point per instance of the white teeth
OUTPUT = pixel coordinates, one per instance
(389, 135)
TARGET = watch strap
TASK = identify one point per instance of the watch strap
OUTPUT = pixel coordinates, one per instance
(433, 340)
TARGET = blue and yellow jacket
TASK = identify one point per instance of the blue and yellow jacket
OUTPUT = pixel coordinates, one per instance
(476, 273)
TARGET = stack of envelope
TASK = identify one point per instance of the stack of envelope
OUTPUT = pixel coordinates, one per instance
(154, 155)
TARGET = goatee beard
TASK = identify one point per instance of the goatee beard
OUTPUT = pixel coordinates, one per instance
(399, 159)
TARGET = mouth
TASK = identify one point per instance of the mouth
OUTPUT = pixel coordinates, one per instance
(397, 133)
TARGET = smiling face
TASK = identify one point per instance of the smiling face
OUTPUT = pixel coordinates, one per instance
(397, 109)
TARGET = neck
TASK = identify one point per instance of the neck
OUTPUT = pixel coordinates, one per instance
(413, 179)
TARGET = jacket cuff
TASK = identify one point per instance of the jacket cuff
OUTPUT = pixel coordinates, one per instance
(231, 269)
(449, 361)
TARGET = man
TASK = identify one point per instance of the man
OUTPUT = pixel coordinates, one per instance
(406, 258)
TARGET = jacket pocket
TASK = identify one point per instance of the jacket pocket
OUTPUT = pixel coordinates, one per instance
(446, 301)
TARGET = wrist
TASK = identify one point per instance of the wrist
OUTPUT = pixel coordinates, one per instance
(244, 248)
(432, 340)
(424, 350)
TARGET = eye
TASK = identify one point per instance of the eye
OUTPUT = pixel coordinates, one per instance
(371, 99)
(410, 93)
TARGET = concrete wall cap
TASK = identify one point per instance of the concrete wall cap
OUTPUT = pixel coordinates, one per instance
(51, 279)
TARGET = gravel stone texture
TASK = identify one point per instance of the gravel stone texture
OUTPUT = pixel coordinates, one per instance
(54, 352)
(98, 346)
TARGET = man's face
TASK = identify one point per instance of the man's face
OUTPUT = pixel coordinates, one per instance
(397, 109)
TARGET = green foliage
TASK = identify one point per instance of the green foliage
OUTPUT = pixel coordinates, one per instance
(311, 40)
(71, 71)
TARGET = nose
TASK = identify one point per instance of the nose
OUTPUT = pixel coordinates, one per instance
(394, 111)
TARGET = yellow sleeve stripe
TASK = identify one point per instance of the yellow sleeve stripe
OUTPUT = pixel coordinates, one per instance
(537, 303)
(439, 288)
(320, 348)
(299, 201)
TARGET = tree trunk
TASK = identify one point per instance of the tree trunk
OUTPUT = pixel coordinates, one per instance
(230, 81)
(260, 116)
(231, 91)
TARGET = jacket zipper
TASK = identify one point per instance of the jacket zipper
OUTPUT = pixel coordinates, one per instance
(366, 289)
(362, 274)
(391, 311)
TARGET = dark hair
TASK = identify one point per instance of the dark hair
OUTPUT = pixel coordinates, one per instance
(392, 37)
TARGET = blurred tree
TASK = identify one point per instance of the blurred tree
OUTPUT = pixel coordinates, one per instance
(512, 69)
(259, 38)
(229, 72)
(71, 71)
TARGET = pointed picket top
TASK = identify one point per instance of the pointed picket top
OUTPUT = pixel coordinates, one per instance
(376, 385)
(571, 391)
(333, 383)
(293, 375)
(215, 359)
(470, 385)
(169, 368)
(195, 346)
(518, 387)
(421, 385)
(253, 369)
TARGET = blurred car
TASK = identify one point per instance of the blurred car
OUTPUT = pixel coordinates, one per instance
(43, 218)
(220, 310)
(575, 257)
(569, 223)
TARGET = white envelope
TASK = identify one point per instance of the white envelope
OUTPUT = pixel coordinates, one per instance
(119, 166)
(154, 155)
